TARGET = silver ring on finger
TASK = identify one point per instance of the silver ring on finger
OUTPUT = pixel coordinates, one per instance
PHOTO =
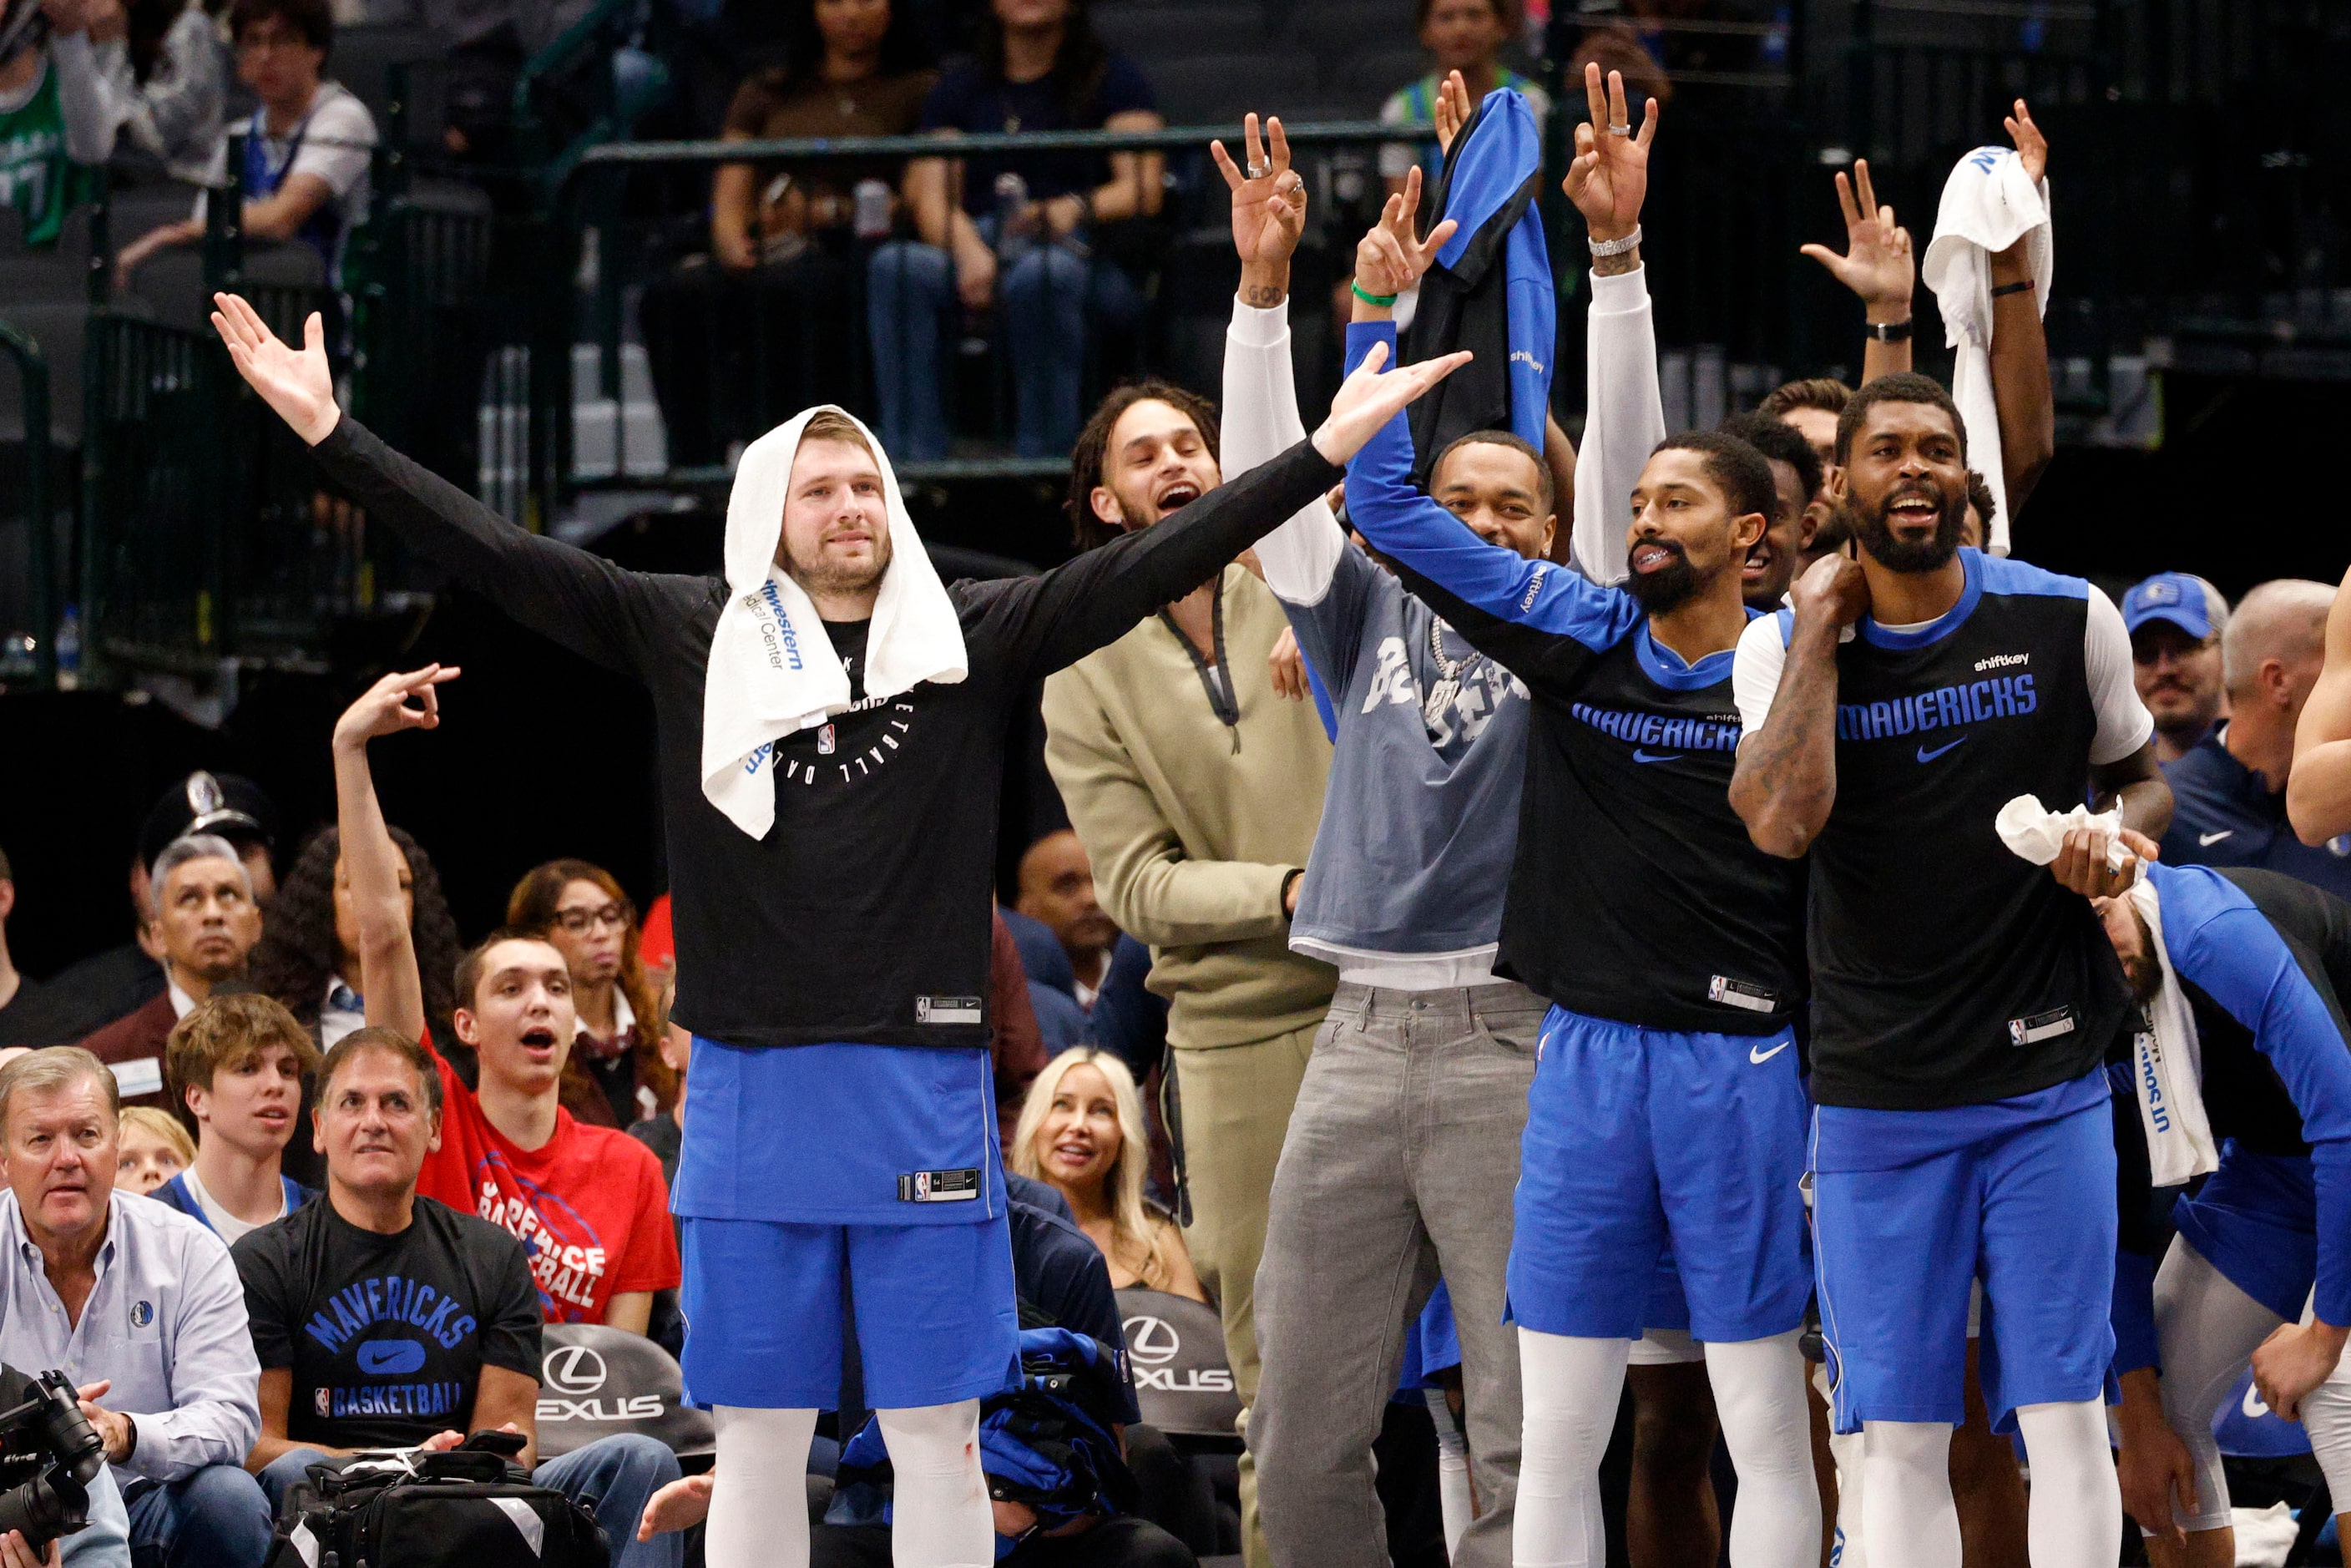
(1259, 170)
(1620, 130)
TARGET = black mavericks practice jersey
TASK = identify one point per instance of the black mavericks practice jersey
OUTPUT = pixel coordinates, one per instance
(1635, 893)
(862, 916)
(1946, 970)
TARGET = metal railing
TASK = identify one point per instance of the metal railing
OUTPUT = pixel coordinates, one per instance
(40, 520)
(592, 236)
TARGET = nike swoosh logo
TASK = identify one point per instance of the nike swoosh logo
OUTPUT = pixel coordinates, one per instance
(2206, 841)
(1641, 755)
(1927, 755)
(1759, 1057)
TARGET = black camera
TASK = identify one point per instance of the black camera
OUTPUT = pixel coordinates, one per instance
(48, 1455)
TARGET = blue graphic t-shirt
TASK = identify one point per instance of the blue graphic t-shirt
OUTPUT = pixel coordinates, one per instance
(386, 1336)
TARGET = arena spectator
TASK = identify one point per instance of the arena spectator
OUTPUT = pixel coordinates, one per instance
(155, 1149)
(2230, 786)
(589, 1201)
(204, 923)
(328, 1393)
(1052, 984)
(1773, 563)
(1081, 1133)
(765, 324)
(49, 157)
(1197, 791)
(2319, 802)
(582, 909)
(139, 1306)
(1021, 1013)
(2176, 621)
(236, 1065)
(1027, 234)
(163, 88)
(306, 147)
(1811, 406)
(16, 988)
(88, 995)
(1057, 890)
(1464, 36)
(309, 960)
(662, 1131)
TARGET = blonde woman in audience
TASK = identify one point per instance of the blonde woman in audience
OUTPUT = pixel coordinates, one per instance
(155, 1149)
(1081, 1132)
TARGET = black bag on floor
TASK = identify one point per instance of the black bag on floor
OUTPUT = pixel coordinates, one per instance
(465, 1508)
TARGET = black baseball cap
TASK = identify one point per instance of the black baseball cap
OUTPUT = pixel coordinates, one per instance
(227, 804)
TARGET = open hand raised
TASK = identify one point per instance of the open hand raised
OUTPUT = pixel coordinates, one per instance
(1878, 264)
(294, 383)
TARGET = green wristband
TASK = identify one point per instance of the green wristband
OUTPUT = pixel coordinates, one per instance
(1382, 300)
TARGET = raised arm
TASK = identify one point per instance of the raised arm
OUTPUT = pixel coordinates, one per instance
(1259, 408)
(1878, 267)
(579, 600)
(1785, 781)
(1542, 622)
(2318, 787)
(1057, 618)
(1624, 414)
(371, 862)
(2020, 391)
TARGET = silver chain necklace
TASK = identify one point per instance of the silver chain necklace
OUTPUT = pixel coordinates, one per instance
(1447, 685)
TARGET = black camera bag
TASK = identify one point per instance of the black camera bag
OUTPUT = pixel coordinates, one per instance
(456, 1509)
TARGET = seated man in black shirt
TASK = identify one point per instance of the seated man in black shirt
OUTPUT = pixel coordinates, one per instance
(385, 1320)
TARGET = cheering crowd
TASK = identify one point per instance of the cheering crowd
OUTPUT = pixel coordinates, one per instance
(1689, 912)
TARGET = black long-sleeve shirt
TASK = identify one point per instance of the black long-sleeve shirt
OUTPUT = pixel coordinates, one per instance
(863, 915)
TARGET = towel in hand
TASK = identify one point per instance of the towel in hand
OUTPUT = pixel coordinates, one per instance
(772, 668)
(2166, 1059)
(1988, 205)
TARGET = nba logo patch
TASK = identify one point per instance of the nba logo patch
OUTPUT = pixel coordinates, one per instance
(922, 1187)
(142, 1314)
(319, 1402)
(824, 741)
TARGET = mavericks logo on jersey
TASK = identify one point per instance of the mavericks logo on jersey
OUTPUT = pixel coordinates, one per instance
(1999, 696)
(1714, 732)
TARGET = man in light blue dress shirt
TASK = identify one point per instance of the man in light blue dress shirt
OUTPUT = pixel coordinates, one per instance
(143, 1310)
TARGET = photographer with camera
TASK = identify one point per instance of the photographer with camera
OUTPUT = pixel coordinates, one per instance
(385, 1320)
(139, 1306)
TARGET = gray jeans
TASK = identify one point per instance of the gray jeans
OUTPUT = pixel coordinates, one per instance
(1399, 1166)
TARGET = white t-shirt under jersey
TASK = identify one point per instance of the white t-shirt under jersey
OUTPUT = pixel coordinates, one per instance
(230, 1227)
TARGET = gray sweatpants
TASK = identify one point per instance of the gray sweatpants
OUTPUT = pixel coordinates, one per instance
(1399, 1167)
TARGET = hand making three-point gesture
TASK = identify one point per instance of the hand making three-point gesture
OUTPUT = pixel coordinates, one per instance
(1609, 177)
(1878, 263)
(1388, 259)
(1269, 211)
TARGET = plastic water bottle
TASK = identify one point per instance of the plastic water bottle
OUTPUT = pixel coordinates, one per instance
(1011, 196)
(870, 215)
(69, 649)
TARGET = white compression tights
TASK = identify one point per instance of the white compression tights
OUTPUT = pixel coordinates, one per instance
(1571, 1388)
(940, 1517)
(1909, 1518)
(759, 1503)
(1459, 1505)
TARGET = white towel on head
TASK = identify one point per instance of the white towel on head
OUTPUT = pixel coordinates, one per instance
(1988, 205)
(2166, 1066)
(772, 668)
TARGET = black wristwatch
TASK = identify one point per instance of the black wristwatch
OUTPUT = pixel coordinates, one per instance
(1890, 332)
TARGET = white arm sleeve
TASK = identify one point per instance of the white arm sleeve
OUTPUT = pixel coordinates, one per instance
(91, 117)
(2124, 723)
(1624, 419)
(1260, 423)
(1755, 672)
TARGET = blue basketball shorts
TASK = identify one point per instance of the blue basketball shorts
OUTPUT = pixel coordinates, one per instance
(937, 1319)
(1637, 1139)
